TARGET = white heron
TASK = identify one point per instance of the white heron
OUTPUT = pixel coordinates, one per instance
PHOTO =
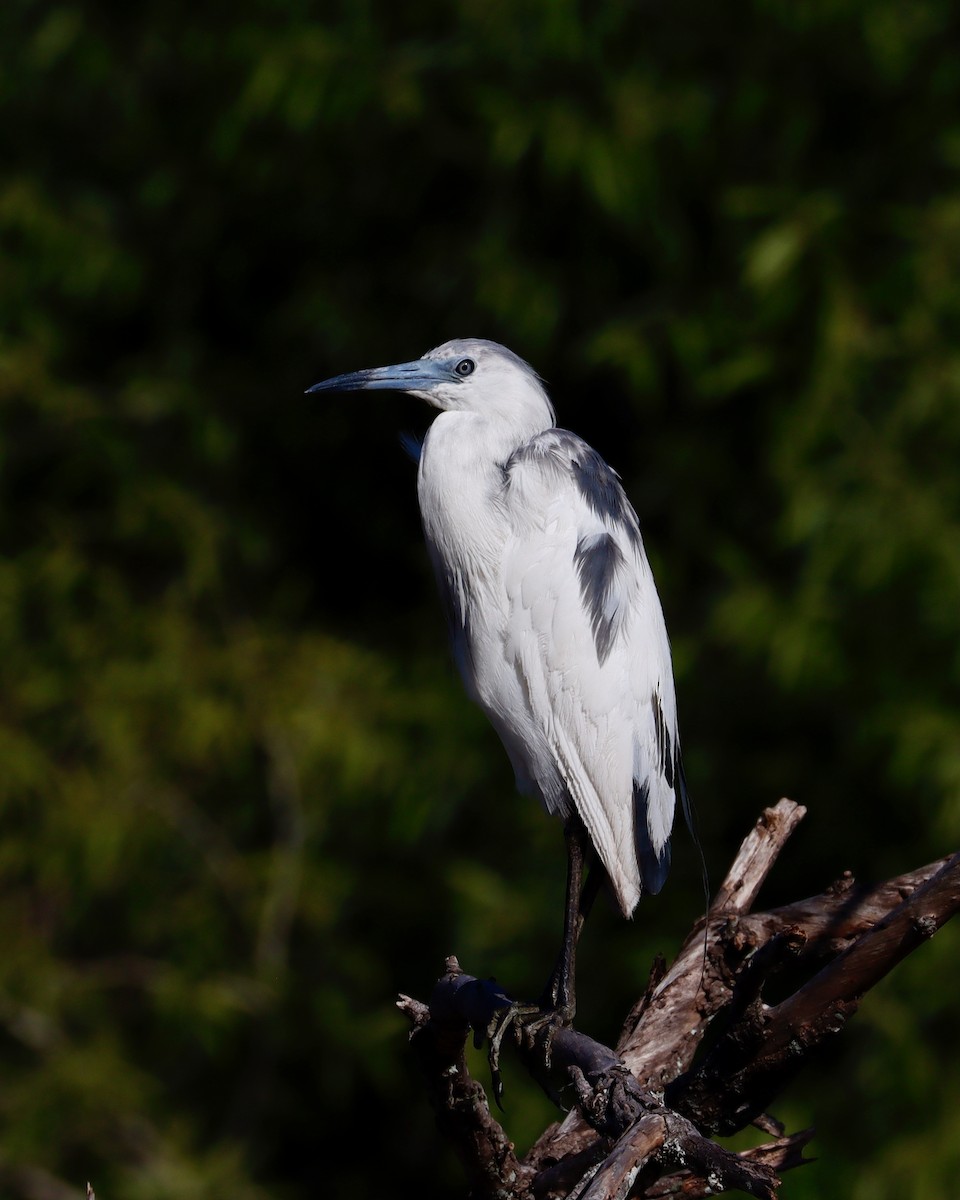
(556, 623)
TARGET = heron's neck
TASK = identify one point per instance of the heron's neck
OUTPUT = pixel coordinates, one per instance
(462, 465)
(476, 441)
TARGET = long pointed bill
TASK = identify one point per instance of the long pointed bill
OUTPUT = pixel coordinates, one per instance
(404, 377)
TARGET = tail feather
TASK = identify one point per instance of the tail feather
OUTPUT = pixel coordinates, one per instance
(654, 867)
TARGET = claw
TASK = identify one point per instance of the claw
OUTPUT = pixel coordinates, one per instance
(534, 1028)
(511, 1017)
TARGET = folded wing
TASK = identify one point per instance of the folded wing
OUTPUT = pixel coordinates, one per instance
(587, 644)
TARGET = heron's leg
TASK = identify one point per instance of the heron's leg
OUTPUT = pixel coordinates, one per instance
(560, 995)
(557, 1005)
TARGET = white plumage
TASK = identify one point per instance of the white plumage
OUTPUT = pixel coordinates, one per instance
(556, 623)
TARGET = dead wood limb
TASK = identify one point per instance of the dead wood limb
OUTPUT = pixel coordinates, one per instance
(644, 1137)
(664, 1030)
(686, 993)
(763, 1047)
(780, 1155)
(663, 1139)
(459, 1102)
(702, 1052)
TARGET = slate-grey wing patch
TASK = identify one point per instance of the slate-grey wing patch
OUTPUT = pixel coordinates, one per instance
(600, 566)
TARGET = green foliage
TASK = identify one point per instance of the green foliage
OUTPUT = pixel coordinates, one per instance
(242, 799)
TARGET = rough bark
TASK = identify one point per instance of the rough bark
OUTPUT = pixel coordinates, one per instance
(646, 1112)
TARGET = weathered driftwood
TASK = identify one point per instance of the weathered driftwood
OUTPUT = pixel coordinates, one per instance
(645, 1113)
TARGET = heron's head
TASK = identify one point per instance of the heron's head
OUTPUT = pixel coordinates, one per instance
(467, 374)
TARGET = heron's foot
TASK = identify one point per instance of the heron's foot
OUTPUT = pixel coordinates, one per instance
(510, 1019)
(532, 1027)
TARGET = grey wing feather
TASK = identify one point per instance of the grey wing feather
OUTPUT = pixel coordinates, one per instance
(606, 720)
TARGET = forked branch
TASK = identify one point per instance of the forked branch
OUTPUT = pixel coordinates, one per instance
(645, 1113)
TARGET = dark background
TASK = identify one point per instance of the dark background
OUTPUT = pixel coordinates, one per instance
(243, 801)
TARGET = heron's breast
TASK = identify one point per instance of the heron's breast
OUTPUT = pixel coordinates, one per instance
(458, 489)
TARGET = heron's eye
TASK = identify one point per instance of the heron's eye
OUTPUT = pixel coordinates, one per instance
(466, 366)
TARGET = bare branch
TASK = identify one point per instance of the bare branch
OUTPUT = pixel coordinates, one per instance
(459, 1103)
(762, 1048)
(758, 852)
(666, 1027)
(644, 1114)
